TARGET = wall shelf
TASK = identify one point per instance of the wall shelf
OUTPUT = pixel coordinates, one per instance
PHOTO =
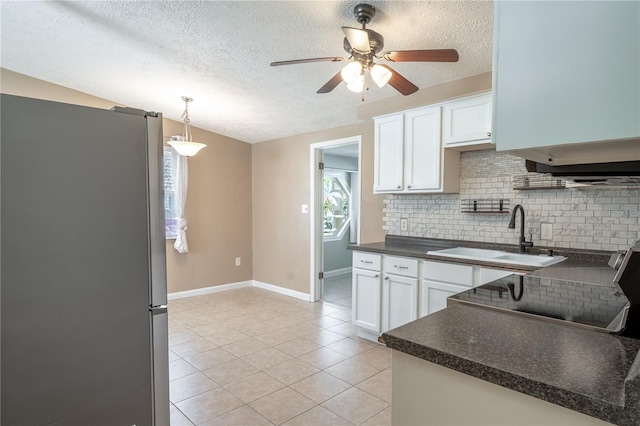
(487, 205)
(530, 182)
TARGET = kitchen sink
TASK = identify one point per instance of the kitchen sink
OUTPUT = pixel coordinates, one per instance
(498, 256)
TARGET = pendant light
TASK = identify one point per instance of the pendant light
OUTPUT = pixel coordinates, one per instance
(186, 147)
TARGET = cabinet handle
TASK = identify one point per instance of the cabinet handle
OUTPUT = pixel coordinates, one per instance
(376, 276)
(386, 278)
(397, 186)
(408, 186)
(366, 261)
(400, 267)
(489, 134)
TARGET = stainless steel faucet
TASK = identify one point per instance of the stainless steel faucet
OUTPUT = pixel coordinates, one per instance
(512, 225)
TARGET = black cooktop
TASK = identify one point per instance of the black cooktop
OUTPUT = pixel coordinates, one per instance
(599, 307)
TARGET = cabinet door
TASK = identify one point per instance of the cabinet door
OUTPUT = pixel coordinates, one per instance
(423, 150)
(549, 88)
(467, 120)
(366, 299)
(433, 296)
(399, 301)
(486, 275)
(388, 153)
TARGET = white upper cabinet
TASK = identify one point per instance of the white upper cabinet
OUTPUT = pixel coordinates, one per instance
(466, 123)
(422, 150)
(388, 147)
(409, 156)
(567, 73)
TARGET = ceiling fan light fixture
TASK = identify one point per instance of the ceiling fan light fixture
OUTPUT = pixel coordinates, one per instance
(357, 85)
(184, 145)
(380, 75)
(352, 72)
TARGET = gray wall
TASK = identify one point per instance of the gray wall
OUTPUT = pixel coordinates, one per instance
(341, 163)
(336, 255)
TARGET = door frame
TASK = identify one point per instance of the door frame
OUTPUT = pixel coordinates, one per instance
(316, 151)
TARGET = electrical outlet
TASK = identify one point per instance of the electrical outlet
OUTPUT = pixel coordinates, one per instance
(546, 231)
(305, 208)
(238, 261)
(404, 225)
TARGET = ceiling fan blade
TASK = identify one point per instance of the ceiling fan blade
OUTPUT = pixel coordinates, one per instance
(427, 55)
(331, 84)
(400, 83)
(304, 61)
(358, 39)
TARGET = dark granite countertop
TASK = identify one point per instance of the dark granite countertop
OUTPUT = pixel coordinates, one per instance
(581, 265)
(593, 373)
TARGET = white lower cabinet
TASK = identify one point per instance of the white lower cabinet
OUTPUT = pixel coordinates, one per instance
(442, 279)
(400, 298)
(434, 294)
(399, 291)
(366, 291)
(390, 291)
(366, 299)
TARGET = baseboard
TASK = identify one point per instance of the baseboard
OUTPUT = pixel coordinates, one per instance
(208, 290)
(335, 272)
(287, 292)
(232, 286)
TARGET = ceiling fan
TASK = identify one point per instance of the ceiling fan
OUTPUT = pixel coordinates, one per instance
(363, 46)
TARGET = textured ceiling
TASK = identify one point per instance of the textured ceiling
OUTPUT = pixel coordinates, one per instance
(148, 54)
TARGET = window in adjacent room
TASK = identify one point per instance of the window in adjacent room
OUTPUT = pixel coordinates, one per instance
(170, 210)
(336, 207)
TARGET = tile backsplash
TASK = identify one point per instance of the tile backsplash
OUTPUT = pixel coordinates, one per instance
(595, 219)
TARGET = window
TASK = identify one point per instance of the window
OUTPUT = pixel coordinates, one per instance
(170, 210)
(335, 210)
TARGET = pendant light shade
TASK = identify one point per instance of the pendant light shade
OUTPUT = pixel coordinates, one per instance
(186, 148)
(184, 145)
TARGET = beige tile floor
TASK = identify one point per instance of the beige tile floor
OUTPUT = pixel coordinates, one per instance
(253, 357)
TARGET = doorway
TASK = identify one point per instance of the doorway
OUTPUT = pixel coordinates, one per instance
(335, 218)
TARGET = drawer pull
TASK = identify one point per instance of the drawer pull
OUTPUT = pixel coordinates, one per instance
(386, 278)
(376, 275)
(400, 267)
(366, 261)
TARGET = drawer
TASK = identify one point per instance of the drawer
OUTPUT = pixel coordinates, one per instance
(449, 273)
(366, 261)
(400, 266)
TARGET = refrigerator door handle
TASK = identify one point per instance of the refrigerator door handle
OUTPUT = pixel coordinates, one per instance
(158, 309)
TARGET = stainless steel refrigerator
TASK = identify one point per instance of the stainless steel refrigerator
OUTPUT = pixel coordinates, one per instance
(83, 276)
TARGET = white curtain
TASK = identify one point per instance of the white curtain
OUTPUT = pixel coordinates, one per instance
(181, 180)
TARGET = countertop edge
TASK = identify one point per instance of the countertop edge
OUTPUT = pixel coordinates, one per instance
(629, 414)
(418, 247)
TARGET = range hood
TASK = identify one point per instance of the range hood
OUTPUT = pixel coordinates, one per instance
(622, 173)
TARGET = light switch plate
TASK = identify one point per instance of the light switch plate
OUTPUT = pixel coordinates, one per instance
(546, 231)
(404, 225)
(305, 208)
